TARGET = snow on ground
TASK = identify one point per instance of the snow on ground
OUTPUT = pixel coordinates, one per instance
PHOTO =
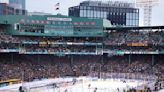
(161, 90)
(101, 85)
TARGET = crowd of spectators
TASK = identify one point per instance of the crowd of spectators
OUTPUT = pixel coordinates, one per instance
(46, 44)
(60, 39)
(126, 37)
(30, 67)
(142, 41)
(59, 48)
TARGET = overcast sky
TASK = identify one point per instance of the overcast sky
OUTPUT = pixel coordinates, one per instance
(48, 7)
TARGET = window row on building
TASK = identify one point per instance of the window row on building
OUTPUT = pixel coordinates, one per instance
(119, 16)
(93, 14)
(108, 9)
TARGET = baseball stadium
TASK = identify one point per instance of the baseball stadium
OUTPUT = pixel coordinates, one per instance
(57, 53)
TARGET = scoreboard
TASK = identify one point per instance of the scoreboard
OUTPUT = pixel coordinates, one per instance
(54, 25)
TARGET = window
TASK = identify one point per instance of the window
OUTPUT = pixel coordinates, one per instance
(137, 16)
(88, 13)
(84, 7)
(17, 27)
(92, 13)
(95, 14)
(98, 14)
(88, 8)
(81, 13)
(81, 7)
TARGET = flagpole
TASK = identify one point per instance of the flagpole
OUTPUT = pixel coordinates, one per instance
(57, 7)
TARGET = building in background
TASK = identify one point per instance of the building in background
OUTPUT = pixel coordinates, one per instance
(119, 13)
(4, 1)
(6, 9)
(18, 4)
(12, 7)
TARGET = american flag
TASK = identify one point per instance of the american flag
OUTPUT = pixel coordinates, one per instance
(57, 6)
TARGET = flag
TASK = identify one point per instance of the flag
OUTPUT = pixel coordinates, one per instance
(57, 6)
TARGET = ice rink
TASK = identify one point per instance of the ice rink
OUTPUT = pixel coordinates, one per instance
(86, 85)
(102, 86)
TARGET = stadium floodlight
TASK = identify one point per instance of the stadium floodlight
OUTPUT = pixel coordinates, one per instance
(147, 6)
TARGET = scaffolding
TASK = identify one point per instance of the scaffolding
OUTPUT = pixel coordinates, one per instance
(147, 6)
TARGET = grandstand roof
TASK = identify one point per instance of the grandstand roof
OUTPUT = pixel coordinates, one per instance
(134, 28)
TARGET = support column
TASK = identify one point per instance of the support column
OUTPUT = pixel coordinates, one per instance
(12, 58)
(72, 59)
(129, 59)
(38, 58)
(152, 63)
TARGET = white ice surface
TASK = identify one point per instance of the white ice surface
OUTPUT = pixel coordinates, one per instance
(101, 85)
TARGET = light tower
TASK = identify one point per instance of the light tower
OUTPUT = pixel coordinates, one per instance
(147, 6)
